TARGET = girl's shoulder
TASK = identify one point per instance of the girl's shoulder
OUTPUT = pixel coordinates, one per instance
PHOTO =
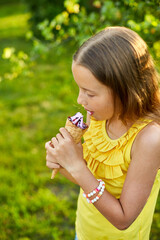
(150, 134)
(147, 142)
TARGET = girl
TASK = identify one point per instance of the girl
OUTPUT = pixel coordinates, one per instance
(118, 170)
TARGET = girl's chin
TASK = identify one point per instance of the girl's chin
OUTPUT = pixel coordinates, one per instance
(95, 116)
(98, 118)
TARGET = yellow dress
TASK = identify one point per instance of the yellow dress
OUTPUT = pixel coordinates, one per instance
(109, 160)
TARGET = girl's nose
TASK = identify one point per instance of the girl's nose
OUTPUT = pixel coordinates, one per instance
(81, 99)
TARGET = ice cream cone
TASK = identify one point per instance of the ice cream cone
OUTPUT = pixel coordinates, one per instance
(76, 133)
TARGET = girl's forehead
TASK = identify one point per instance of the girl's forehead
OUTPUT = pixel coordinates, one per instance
(84, 76)
(87, 81)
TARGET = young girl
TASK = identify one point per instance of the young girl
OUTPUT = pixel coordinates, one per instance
(118, 171)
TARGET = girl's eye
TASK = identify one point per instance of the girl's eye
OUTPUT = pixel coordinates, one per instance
(90, 95)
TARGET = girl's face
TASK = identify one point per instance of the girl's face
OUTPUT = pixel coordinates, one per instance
(96, 97)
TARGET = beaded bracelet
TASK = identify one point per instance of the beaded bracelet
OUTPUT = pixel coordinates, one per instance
(99, 189)
(95, 190)
(97, 197)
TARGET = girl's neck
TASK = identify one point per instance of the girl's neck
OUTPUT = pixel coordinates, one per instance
(115, 128)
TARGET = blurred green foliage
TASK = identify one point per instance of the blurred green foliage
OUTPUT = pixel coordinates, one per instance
(32, 109)
(19, 63)
(48, 9)
(13, 22)
(78, 22)
(56, 23)
(43, 9)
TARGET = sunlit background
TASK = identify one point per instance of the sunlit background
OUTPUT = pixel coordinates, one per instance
(37, 93)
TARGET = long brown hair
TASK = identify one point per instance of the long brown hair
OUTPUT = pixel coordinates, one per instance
(119, 58)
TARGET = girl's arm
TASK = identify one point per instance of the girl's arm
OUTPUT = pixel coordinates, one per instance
(139, 181)
(67, 175)
(138, 184)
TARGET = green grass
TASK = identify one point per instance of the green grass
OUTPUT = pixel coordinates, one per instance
(13, 20)
(32, 206)
(32, 110)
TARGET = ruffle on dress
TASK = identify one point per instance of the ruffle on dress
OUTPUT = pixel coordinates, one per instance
(103, 155)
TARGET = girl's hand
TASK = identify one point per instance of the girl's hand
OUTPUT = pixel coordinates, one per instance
(50, 161)
(66, 152)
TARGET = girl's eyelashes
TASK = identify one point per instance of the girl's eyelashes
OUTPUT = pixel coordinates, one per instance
(87, 93)
(90, 95)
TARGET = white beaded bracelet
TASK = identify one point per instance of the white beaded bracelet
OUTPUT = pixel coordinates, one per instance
(95, 190)
(99, 189)
(97, 197)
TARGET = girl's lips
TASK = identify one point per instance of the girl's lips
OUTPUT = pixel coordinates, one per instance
(90, 112)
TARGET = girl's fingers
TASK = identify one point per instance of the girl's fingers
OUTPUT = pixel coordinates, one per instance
(51, 144)
(47, 144)
(54, 141)
(59, 137)
(65, 133)
(52, 165)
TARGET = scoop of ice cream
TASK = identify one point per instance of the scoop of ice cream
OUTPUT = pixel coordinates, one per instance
(77, 120)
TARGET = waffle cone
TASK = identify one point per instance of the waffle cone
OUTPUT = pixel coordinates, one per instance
(76, 134)
(74, 131)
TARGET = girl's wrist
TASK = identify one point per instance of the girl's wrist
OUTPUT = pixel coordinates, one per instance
(76, 171)
(85, 179)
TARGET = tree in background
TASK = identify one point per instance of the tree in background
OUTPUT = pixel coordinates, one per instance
(53, 23)
(48, 9)
(78, 19)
